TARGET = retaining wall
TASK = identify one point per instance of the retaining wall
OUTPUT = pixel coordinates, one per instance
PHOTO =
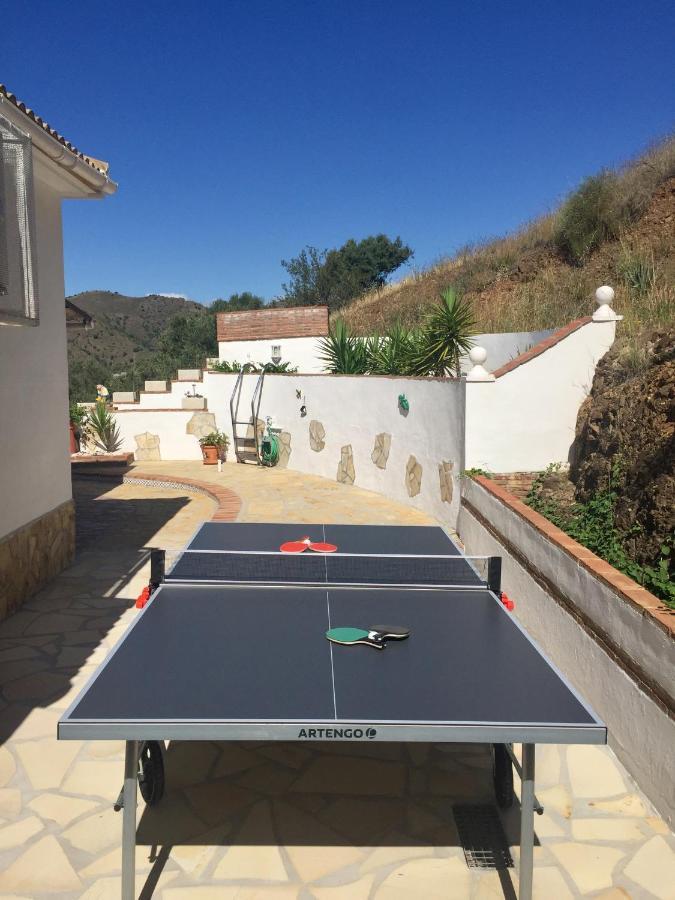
(613, 639)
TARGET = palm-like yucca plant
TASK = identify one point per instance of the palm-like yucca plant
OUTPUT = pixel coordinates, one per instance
(445, 337)
(103, 431)
(342, 353)
(392, 354)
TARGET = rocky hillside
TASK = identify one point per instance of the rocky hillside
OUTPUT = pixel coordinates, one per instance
(126, 327)
(617, 228)
(121, 350)
(625, 442)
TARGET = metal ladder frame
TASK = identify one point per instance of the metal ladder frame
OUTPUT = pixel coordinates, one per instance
(255, 409)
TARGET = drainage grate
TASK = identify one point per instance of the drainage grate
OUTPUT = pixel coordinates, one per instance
(482, 837)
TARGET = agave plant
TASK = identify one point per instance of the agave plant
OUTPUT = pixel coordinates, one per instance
(445, 337)
(103, 431)
(343, 353)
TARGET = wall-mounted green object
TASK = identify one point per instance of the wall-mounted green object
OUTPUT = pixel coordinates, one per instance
(403, 402)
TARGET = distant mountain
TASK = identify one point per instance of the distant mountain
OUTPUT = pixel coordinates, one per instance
(124, 335)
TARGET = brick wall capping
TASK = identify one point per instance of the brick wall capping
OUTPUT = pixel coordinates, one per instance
(272, 324)
(621, 584)
(542, 346)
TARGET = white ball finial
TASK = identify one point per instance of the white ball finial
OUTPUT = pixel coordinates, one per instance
(604, 297)
(478, 355)
(604, 294)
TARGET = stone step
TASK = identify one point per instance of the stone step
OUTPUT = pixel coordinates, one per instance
(193, 403)
(156, 387)
(124, 397)
(189, 375)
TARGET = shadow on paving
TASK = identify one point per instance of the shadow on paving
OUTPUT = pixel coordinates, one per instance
(48, 640)
(306, 795)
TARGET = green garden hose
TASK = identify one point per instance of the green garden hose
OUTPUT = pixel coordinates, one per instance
(269, 451)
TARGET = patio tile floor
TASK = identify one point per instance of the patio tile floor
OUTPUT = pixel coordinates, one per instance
(251, 820)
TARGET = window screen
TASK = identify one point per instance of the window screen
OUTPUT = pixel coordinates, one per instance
(18, 269)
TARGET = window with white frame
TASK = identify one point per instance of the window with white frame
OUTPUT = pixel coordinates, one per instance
(18, 268)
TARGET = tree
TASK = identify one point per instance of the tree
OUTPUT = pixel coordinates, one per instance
(188, 340)
(334, 277)
(305, 288)
(245, 300)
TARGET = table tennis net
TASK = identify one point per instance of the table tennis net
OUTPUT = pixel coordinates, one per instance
(214, 566)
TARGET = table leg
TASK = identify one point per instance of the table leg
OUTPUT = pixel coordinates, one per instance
(526, 824)
(129, 821)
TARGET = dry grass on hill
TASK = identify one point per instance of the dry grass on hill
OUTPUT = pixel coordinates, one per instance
(523, 282)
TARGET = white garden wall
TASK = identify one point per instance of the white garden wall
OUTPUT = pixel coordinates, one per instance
(352, 411)
(526, 418)
(300, 352)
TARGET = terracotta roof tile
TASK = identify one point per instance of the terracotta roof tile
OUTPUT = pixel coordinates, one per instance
(97, 164)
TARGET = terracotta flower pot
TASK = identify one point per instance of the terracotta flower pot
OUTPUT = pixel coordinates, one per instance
(210, 456)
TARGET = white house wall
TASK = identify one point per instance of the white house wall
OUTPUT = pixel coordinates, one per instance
(35, 475)
(526, 418)
(300, 352)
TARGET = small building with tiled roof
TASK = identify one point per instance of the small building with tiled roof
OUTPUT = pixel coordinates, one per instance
(38, 169)
(280, 335)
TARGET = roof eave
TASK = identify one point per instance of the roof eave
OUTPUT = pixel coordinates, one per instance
(91, 181)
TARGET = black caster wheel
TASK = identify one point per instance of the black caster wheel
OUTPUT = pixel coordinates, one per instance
(502, 775)
(151, 772)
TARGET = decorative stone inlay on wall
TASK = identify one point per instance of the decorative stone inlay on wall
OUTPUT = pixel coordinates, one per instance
(345, 471)
(34, 554)
(201, 424)
(413, 477)
(381, 449)
(317, 433)
(284, 439)
(147, 446)
(445, 477)
(250, 434)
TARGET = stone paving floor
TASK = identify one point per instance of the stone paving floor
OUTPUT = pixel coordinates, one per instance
(254, 821)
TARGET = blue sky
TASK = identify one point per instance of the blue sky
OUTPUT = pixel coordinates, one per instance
(241, 131)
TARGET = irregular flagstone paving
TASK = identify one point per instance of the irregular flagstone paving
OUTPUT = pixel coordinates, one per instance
(251, 821)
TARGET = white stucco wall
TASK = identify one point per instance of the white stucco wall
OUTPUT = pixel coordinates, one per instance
(640, 732)
(526, 419)
(352, 411)
(299, 351)
(502, 347)
(35, 470)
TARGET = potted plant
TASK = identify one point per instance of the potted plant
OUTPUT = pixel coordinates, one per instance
(77, 425)
(214, 447)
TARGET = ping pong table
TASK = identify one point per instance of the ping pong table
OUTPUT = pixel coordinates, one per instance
(232, 646)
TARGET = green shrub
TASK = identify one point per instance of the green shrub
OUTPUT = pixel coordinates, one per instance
(593, 525)
(589, 217)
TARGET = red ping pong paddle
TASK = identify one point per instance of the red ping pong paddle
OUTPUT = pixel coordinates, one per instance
(293, 547)
(305, 542)
(322, 547)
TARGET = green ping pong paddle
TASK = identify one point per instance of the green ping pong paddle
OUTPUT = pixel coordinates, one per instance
(372, 637)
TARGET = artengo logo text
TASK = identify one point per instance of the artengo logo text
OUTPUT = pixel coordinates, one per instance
(336, 734)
